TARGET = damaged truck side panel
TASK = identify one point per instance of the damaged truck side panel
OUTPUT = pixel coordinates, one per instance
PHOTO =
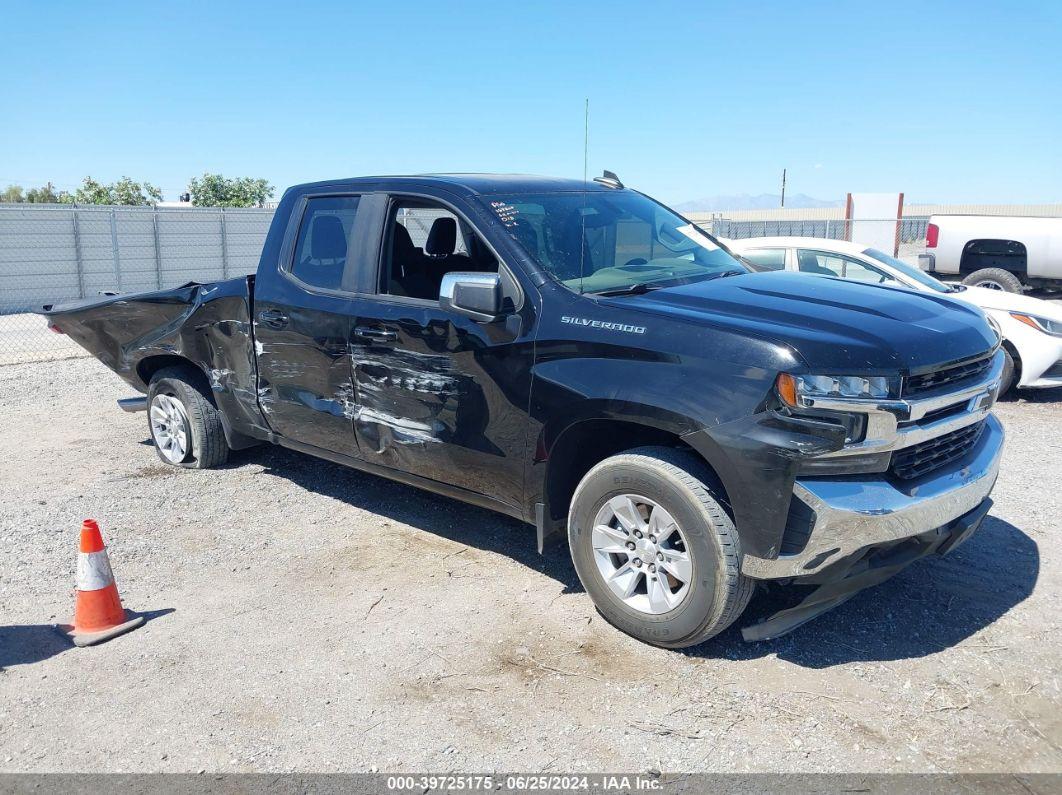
(580, 357)
(205, 326)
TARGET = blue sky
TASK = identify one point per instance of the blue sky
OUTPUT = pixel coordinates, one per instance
(958, 102)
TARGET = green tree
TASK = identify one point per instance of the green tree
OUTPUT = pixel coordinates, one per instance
(125, 191)
(12, 195)
(92, 192)
(43, 195)
(214, 190)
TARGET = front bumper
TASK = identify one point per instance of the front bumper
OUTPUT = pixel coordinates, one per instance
(855, 513)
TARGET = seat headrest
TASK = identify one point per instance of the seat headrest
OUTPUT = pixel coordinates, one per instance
(327, 238)
(402, 245)
(442, 238)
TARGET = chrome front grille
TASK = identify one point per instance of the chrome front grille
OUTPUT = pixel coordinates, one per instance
(921, 459)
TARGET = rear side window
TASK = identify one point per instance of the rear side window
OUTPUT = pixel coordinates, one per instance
(766, 259)
(323, 241)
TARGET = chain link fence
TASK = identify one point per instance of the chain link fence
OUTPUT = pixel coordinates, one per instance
(912, 230)
(830, 223)
(55, 253)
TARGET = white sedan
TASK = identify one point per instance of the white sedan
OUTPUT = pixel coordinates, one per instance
(1031, 328)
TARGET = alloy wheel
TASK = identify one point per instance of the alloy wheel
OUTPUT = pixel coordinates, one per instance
(641, 553)
(169, 426)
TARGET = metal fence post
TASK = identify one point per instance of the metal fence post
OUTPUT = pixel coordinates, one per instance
(77, 256)
(224, 248)
(114, 247)
(158, 250)
(827, 228)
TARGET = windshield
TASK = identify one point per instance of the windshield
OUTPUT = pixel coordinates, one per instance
(910, 271)
(602, 241)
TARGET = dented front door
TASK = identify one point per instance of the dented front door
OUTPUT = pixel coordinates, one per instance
(441, 396)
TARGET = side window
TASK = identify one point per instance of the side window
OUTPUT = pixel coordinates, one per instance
(427, 241)
(840, 266)
(324, 237)
(861, 272)
(766, 259)
(819, 263)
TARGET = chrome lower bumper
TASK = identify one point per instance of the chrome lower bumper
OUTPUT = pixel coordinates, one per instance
(133, 404)
(854, 513)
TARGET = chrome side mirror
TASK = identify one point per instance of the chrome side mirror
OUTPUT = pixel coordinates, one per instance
(475, 295)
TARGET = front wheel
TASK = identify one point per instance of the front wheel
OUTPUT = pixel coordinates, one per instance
(1006, 380)
(185, 425)
(655, 550)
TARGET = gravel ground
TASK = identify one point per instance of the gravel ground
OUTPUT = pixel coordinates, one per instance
(25, 338)
(308, 617)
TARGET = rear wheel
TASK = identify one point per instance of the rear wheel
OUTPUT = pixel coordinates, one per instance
(995, 279)
(654, 548)
(185, 425)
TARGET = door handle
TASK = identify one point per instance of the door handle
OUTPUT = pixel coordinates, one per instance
(273, 318)
(376, 334)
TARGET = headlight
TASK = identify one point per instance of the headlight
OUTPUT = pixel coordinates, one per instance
(1047, 326)
(795, 390)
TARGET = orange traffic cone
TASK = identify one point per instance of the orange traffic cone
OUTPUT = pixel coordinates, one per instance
(98, 613)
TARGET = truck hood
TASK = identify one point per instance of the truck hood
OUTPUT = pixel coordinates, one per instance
(835, 326)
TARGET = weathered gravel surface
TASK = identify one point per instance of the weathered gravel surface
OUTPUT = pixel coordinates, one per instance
(309, 617)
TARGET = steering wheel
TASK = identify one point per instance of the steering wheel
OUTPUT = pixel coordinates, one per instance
(636, 261)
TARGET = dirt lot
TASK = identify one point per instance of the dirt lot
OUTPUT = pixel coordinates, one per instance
(308, 617)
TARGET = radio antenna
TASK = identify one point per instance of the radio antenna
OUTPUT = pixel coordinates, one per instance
(586, 140)
(586, 174)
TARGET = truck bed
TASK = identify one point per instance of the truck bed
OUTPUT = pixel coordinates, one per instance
(206, 324)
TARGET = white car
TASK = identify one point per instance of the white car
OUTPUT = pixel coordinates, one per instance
(1031, 328)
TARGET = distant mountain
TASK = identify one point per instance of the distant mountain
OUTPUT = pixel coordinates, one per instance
(764, 201)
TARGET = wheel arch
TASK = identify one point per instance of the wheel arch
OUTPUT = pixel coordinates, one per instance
(149, 365)
(981, 253)
(566, 452)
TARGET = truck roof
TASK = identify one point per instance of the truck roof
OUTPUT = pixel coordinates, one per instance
(463, 183)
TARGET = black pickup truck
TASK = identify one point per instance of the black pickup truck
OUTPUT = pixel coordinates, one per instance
(577, 355)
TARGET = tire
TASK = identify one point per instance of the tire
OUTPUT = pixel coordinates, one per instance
(995, 279)
(1006, 380)
(716, 592)
(180, 393)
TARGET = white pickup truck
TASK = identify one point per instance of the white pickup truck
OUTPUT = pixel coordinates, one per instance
(995, 251)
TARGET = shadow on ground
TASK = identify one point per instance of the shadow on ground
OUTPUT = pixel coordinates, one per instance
(1050, 395)
(934, 604)
(441, 516)
(24, 644)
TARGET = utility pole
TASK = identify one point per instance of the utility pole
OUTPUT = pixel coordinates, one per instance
(783, 187)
